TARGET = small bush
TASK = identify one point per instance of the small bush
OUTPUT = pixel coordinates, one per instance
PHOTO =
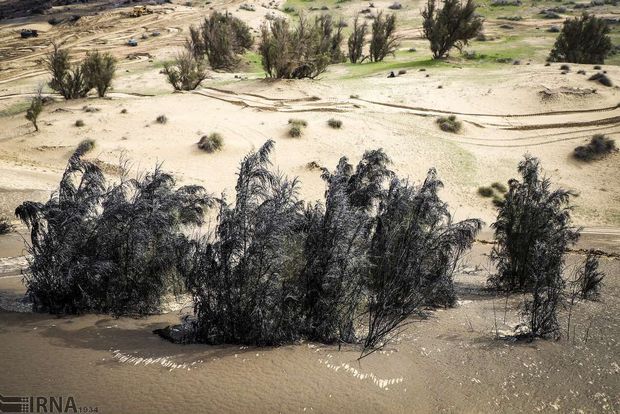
(298, 122)
(597, 67)
(583, 39)
(334, 123)
(449, 124)
(485, 191)
(5, 225)
(599, 146)
(565, 67)
(499, 187)
(79, 123)
(589, 278)
(601, 78)
(161, 119)
(123, 111)
(85, 146)
(185, 73)
(36, 107)
(294, 131)
(211, 143)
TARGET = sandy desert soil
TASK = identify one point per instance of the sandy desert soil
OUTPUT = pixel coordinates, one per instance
(449, 362)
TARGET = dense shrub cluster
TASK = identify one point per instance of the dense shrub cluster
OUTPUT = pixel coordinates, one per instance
(599, 146)
(75, 81)
(221, 38)
(583, 39)
(274, 270)
(301, 52)
(451, 26)
(108, 248)
(533, 231)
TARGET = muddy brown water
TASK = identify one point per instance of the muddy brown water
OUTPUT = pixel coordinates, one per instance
(448, 362)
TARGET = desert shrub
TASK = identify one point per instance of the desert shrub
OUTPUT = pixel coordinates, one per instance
(161, 119)
(5, 225)
(296, 121)
(485, 191)
(35, 109)
(211, 143)
(99, 71)
(272, 270)
(451, 26)
(243, 278)
(221, 37)
(599, 146)
(334, 123)
(601, 78)
(383, 41)
(185, 73)
(356, 40)
(449, 124)
(499, 187)
(533, 231)
(533, 217)
(79, 123)
(68, 81)
(589, 279)
(85, 146)
(107, 248)
(414, 250)
(330, 37)
(303, 52)
(498, 201)
(565, 67)
(583, 39)
(294, 131)
(124, 111)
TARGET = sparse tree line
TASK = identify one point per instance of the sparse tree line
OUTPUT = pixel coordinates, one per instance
(353, 268)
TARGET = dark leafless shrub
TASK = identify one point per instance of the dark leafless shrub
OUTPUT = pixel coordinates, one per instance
(185, 73)
(243, 278)
(99, 71)
(451, 26)
(414, 250)
(383, 41)
(356, 40)
(79, 123)
(112, 249)
(485, 191)
(599, 146)
(161, 119)
(583, 39)
(532, 215)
